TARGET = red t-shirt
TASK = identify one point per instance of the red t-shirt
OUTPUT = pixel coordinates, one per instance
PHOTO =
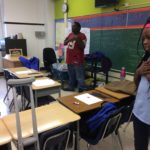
(75, 55)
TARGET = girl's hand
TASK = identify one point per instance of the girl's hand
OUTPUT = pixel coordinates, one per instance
(144, 69)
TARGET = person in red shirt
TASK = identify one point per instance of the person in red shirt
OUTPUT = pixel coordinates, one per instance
(75, 42)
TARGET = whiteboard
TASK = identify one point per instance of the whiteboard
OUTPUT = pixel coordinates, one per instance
(86, 31)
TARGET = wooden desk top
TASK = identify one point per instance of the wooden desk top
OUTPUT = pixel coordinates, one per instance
(69, 102)
(48, 117)
(23, 72)
(5, 137)
(56, 84)
(113, 94)
(12, 58)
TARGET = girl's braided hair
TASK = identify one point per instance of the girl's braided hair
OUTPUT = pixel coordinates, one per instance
(137, 48)
(147, 54)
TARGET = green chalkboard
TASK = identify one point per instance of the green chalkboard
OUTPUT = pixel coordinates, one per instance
(119, 46)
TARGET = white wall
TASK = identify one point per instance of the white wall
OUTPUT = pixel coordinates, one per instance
(31, 11)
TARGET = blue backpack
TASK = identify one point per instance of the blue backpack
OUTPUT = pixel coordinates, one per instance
(32, 63)
(102, 115)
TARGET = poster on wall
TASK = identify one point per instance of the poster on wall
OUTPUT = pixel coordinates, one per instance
(60, 33)
(15, 52)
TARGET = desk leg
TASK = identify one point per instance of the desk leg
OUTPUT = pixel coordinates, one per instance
(77, 138)
(59, 94)
(35, 98)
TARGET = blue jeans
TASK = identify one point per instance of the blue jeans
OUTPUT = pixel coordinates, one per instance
(76, 75)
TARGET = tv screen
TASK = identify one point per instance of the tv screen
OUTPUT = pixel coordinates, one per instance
(104, 3)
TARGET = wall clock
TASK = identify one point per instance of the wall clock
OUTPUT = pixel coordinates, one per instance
(64, 7)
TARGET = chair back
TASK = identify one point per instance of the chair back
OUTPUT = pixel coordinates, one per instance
(56, 139)
(7, 74)
(49, 57)
(127, 113)
(106, 64)
(112, 124)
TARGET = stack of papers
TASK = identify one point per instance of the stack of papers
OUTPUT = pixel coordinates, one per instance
(88, 98)
(44, 82)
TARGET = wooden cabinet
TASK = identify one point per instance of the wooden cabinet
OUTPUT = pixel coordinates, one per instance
(11, 62)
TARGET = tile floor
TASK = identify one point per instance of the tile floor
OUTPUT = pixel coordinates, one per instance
(106, 144)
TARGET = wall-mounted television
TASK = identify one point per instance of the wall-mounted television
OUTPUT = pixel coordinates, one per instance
(105, 3)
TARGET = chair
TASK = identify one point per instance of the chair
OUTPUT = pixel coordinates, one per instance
(107, 127)
(126, 117)
(49, 57)
(103, 65)
(99, 64)
(56, 139)
(7, 76)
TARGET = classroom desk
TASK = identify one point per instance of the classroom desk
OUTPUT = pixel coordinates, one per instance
(72, 103)
(23, 72)
(5, 137)
(117, 95)
(11, 61)
(41, 90)
(45, 90)
(48, 117)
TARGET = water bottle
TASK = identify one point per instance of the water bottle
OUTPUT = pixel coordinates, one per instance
(123, 73)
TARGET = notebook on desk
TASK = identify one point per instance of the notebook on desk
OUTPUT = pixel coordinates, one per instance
(111, 93)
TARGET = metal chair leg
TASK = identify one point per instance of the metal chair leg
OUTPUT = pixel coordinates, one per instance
(11, 105)
(119, 140)
(6, 96)
(127, 122)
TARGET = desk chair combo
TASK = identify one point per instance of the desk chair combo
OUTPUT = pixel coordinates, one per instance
(110, 125)
(21, 143)
(57, 135)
